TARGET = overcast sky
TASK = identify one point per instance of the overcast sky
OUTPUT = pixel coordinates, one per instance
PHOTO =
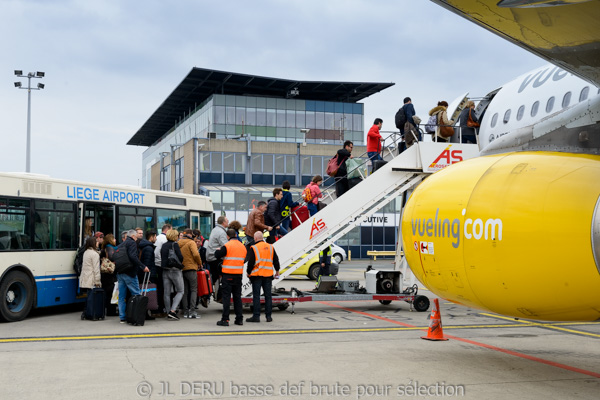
(110, 64)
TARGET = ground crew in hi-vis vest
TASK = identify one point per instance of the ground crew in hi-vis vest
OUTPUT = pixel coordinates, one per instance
(233, 254)
(263, 264)
(325, 261)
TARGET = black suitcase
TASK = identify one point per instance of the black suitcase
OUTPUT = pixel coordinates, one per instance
(137, 306)
(353, 182)
(378, 164)
(94, 305)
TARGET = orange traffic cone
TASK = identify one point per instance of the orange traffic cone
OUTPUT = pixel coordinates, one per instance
(435, 331)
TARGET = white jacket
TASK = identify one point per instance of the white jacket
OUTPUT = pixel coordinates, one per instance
(90, 270)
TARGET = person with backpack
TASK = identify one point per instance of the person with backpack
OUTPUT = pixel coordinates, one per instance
(286, 204)
(312, 193)
(172, 275)
(405, 114)
(341, 177)
(441, 116)
(375, 141)
(273, 215)
(127, 276)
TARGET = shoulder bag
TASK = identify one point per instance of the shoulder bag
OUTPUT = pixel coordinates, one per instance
(471, 123)
(446, 131)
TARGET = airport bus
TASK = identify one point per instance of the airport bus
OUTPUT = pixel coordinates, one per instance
(41, 228)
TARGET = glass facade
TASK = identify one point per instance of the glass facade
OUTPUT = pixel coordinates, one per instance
(264, 119)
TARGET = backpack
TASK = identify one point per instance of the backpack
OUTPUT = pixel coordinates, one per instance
(332, 166)
(121, 259)
(78, 262)
(173, 260)
(307, 194)
(431, 124)
(400, 118)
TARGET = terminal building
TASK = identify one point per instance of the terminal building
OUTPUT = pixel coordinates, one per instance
(235, 137)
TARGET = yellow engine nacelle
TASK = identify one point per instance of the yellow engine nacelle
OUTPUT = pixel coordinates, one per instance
(517, 234)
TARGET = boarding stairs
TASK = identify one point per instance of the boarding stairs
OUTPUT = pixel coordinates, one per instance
(402, 173)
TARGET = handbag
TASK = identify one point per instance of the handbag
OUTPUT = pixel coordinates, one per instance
(115, 295)
(446, 131)
(471, 123)
(107, 266)
(173, 260)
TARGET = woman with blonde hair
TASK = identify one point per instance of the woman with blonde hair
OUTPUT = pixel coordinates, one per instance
(467, 120)
(172, 276)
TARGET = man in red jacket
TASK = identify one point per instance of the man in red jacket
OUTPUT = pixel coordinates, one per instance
(374, 140)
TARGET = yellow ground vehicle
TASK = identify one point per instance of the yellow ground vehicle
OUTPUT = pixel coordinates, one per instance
(311, 268)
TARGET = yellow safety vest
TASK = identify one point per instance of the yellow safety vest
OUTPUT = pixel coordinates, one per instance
(263, 254)
(233, 262)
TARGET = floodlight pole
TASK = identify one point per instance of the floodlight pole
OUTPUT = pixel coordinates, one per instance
(29, 88)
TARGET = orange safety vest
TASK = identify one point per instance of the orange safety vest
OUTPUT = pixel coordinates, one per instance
(263, 254)
(233, 262)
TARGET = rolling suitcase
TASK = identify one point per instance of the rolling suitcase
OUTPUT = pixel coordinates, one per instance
(378, 164)
(137, 306)
(299, 215)
(205, 287)
(353, 182)
(94, 305)
(151, 293)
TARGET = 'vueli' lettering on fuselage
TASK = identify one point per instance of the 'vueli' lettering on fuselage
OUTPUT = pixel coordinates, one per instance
(539, 79)
(114, 196)
(473, 228)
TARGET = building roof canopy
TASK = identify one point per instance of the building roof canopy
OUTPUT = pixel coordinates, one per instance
(202, 83)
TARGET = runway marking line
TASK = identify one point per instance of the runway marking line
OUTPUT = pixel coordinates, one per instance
(240, 333)
(183, 334)
(550, 325)
(484, 345)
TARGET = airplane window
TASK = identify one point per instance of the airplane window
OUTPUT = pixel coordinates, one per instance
(550, 104)
(506, 116)
(584, 93)
(534, 108)
(494, 120)
(566, 100)
(520, 112)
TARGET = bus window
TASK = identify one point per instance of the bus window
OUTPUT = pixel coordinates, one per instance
(54, 225)
(14, 224)
(177, 218)
(134, 217)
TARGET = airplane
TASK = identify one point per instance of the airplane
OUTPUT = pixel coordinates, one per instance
(516, 231)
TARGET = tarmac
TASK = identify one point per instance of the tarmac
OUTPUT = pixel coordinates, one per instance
(327, 349)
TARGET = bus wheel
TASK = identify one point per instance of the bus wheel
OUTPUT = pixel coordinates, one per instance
(16, 294)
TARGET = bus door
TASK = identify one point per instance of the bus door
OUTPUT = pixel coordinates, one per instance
(97, 217)
(194, 220)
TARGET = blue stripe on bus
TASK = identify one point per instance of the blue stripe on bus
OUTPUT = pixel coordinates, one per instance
(55, 276)
(57, 292)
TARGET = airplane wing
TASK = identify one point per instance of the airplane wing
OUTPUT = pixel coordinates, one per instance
(564, 32)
